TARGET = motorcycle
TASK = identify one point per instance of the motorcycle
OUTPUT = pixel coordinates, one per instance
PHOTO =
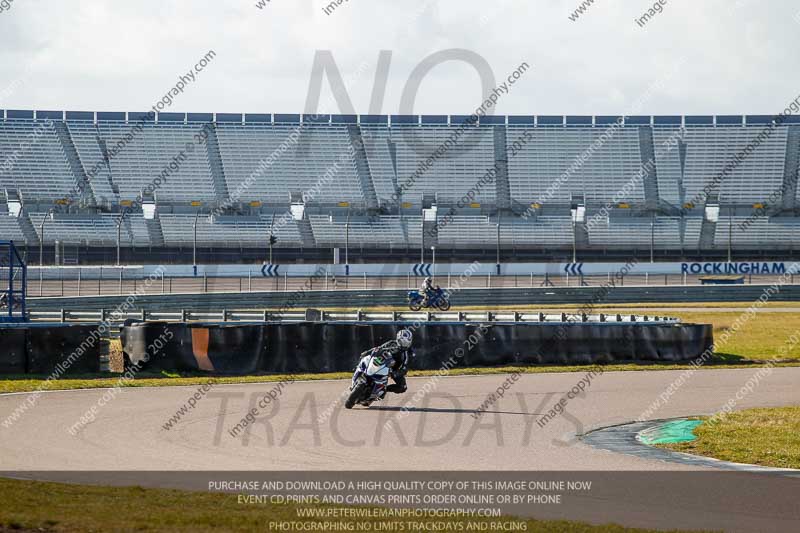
(369, 380)
(439, 299)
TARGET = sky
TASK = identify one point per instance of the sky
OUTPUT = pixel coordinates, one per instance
(689, 57)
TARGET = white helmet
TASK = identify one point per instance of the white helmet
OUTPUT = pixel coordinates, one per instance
(404, 338)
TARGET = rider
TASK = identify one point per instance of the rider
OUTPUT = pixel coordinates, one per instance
(426, 290)
(400, 351)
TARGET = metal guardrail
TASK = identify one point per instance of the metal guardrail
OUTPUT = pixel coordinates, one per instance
(183, 315)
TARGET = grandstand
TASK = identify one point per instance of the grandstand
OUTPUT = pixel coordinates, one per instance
(389, 186)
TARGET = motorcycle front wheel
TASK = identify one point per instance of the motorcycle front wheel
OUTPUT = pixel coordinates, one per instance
(444, 305)
(355, 395)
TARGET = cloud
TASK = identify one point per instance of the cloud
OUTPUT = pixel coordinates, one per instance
(111, 55)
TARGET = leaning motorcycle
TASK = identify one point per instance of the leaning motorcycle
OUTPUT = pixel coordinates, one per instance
(439, 299)
(369, 380)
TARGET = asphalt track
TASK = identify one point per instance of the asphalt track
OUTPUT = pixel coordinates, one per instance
(437, 434)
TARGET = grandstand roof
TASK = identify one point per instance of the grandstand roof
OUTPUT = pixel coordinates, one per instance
(398, 120)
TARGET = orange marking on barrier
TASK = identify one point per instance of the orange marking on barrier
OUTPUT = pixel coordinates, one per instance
(200, 348)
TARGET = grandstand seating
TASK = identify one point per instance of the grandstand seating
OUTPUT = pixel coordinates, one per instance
(303, 156)
(708, 150)
(386, 231)
(551, 151)
(775, 232)
(150, 152)
(37, 164)
(92, 230)
(238, 232)
(9, 228)
(481, 232)
(665, 232)
(252, 166)
(87, 141)
(451, 175)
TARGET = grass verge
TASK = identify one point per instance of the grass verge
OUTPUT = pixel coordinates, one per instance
(761, 337)
(57, 507)
(764, 436)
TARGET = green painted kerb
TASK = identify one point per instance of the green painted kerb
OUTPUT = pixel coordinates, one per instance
(669, 432)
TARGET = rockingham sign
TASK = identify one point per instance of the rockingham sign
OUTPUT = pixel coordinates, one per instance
(734, 268)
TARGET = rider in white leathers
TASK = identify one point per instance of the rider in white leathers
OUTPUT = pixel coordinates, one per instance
(399, 351)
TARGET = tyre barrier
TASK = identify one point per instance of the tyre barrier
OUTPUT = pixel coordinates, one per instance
(317, 347)
(49, 349)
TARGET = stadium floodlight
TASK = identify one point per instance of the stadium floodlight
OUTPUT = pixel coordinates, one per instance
(347, 244)
(272, 238)
(120, 220)
(194, 240)
(47, 216)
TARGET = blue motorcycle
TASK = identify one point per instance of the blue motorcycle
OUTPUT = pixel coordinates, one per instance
(438, 299)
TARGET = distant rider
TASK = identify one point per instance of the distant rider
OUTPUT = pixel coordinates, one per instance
(400, 351)
(427, 291)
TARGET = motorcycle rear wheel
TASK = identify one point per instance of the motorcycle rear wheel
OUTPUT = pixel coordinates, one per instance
(355, 395)
(415, 305)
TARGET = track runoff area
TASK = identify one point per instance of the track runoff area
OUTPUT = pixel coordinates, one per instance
(454, 449)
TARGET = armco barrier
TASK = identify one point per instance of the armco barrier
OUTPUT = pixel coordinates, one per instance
(334, 346)
(63, 349)
(472, 297)
(12, 350)
(207, 347)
